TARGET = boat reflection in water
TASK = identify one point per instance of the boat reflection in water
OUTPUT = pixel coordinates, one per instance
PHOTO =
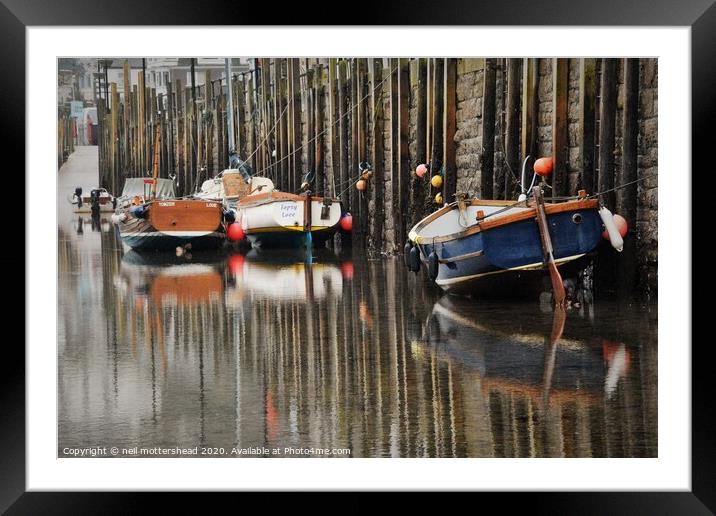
(544, 383)
(98, 224)
(297, 351)
(287, 275)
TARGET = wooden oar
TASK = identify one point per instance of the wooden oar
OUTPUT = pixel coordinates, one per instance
(557, 285)
(550, 352)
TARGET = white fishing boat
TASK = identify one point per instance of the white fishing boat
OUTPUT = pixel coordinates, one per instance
(282, 219)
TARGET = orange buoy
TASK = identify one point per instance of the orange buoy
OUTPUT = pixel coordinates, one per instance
(439, 198)
(421, 170)
(543, 167)
(437, 181)
(360, 185)
(346, 222)
(235, 232)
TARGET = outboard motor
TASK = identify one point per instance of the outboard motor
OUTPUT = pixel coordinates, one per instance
(94, 202)
(78, 196)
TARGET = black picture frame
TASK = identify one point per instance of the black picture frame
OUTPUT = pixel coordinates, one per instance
(16, 15)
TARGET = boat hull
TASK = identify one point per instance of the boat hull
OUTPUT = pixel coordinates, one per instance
(166, 225)
(490, 261)
(282, 220)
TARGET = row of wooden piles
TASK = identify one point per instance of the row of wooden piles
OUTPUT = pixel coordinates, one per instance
(292, 116)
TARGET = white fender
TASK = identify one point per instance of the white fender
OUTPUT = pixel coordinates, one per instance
(614, 237)
(116, 218)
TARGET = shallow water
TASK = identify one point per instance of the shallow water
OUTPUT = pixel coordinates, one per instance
(236, 354)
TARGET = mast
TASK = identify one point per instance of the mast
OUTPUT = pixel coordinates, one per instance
(155, 172)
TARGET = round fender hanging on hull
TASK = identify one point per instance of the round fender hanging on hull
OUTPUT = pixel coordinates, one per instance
(414, 260)
(433, 265)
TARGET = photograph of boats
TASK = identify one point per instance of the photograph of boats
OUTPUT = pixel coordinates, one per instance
(357, 257)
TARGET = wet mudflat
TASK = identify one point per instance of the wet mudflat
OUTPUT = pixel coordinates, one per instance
(237, 353)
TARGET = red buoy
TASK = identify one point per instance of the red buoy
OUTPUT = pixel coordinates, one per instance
(543, 167)
(360, 185)
(235, 232)
(421, 170)
(346, 222)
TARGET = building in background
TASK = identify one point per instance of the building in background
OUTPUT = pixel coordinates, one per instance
(160, 71)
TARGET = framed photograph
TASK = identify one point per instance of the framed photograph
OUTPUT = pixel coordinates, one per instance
(269, 258)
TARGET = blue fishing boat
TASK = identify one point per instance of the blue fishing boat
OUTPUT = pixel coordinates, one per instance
(486, 247)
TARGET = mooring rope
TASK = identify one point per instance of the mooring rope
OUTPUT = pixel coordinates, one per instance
(621, 186)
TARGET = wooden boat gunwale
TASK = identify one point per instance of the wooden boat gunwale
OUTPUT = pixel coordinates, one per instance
(550, 208)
